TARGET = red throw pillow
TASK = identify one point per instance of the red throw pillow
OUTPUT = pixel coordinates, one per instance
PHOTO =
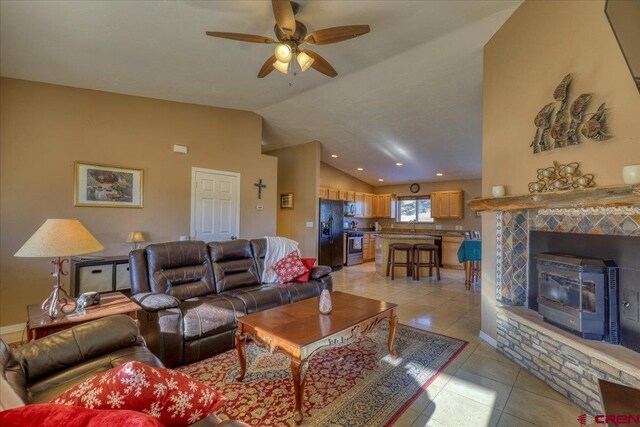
(289, 267)
(50, 415)
(308, 262)
(177, 400)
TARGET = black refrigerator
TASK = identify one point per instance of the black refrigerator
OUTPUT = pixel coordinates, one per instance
(331, 231)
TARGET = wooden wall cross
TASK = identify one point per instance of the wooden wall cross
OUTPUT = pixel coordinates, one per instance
(260, 186)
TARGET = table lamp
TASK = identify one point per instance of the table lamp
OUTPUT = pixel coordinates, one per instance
(135, 237)
(59, 238)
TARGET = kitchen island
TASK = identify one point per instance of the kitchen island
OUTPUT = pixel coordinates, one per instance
(448, 241)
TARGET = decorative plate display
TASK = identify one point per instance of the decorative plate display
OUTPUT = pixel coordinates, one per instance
(415, 187)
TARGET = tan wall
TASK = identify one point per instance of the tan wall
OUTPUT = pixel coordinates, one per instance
(45, 128)
(299, 173)
(472, 189)
(335, 178)
(523, 62)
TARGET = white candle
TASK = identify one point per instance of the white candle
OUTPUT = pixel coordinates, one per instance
(631, 174)
(498, 191)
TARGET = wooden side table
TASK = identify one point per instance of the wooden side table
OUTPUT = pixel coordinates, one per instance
(40, 324)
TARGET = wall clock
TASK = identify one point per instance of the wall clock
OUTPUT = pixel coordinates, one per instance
(415, 187)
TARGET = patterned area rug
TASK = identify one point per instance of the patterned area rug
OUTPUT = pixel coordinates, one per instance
(355, 385)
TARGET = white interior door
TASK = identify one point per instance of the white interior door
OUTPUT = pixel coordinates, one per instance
(215, 205)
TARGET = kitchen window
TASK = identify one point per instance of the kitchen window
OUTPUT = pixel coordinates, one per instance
(414, 209)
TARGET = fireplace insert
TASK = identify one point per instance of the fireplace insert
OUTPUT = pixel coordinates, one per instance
(579, 295)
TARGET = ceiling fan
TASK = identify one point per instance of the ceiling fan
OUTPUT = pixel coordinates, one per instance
(290, 35)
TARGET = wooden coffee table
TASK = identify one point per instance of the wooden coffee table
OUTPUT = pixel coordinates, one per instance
(299, 330)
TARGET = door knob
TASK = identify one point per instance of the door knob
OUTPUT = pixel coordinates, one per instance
(234, 238)
(626, 304)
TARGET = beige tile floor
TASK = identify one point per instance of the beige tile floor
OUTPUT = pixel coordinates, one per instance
(481, 387)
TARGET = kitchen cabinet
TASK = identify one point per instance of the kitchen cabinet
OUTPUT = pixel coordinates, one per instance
(368, 247)
(456, 204)
(379, 207)
(450, 246)
(389, 206)
(372, 248)
(365, 247)
(359, 197)
(447, 204)
(368, 205)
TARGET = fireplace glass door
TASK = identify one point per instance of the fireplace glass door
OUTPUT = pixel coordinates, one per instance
(567, 289)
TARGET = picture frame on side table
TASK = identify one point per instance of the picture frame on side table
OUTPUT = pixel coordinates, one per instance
(286, 201)
(108, 186)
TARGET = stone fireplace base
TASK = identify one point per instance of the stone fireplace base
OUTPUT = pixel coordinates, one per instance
(568, 364)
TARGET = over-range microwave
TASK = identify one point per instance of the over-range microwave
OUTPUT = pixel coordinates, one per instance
(349, 208)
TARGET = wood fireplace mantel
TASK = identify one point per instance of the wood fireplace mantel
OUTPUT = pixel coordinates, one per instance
(612, 196)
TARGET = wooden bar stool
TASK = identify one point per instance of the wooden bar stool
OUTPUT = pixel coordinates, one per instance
(476, 265)
(391, 258)
(434, 260)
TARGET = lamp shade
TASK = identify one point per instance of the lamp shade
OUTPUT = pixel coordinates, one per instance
(281, 66)
(304, 61)
(283, 52)
(60, 238)
(135, 237)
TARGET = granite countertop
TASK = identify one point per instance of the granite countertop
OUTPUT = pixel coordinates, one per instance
(417, 236)
(418, 233)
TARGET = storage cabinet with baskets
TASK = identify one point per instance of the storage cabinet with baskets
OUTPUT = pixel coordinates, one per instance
(106, 274)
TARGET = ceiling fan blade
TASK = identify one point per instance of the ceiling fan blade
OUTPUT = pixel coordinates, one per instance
(267, 67)
(336, 34)
(283, 12)
(320, 64)
(242, 37)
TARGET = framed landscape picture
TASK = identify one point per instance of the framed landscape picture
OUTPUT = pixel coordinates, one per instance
(108, 186)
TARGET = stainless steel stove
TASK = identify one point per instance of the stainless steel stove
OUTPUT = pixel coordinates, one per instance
(355, 241)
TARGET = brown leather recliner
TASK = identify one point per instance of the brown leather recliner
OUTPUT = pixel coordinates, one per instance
(41, 370)
(193, 293)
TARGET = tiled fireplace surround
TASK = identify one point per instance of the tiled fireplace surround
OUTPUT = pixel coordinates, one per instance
(568, 364)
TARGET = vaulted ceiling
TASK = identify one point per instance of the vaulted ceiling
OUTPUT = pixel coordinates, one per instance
(409, 92)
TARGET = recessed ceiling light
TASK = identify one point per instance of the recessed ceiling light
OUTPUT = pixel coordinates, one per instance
(439, 174)
(398, 164)
(380, 179)
(334, 155)
(360, 169)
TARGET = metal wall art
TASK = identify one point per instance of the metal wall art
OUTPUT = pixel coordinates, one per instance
(561, 177)
(567, 125)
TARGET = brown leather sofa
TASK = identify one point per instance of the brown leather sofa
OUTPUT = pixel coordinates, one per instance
(41, 370)
(193, 293)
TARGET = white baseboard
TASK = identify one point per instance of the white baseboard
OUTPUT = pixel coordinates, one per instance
(12, 329)
(493, 343)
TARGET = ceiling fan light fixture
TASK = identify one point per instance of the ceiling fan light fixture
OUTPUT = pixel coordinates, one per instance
(283, 52)
(304, 61)
(283, 67)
